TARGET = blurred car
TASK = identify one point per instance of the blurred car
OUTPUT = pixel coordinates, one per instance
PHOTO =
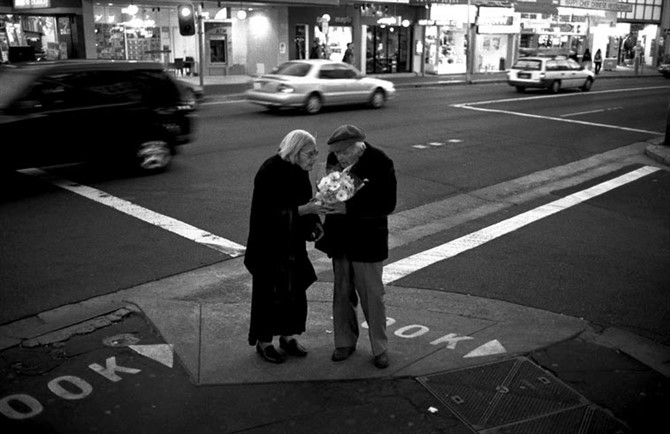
(551, 73)
(111, 112)
(664, 68)
(193, 94)
(313, 84)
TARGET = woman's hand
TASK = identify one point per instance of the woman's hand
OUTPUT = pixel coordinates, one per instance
(314, 207)
(337, 208)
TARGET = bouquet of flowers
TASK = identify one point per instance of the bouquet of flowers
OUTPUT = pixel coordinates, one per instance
(337, 187)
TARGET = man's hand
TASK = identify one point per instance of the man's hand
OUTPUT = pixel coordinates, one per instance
(337, 208)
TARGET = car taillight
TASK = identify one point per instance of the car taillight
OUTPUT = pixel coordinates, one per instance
(284, 88)
(542, 75)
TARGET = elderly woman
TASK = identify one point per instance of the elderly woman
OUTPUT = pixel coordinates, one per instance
(283, 218)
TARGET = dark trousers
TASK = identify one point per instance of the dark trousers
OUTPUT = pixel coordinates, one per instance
(598, 66)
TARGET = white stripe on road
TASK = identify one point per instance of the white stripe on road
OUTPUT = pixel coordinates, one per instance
(409, 265)
(591, 112)
(169, 224)
(471, 106)
(551, 118)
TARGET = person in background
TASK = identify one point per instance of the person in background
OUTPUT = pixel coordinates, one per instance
(283, 218)
(598, 61)
(316, 50)
(349, 54)
(586, 59)
(356, 239)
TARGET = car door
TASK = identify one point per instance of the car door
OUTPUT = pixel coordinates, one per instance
(570, 75)
(356, 91)
(333, 86)
(579, 74)
(41, 119)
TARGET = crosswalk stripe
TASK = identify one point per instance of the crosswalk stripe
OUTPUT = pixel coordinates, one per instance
(402, 268)
(169, 224)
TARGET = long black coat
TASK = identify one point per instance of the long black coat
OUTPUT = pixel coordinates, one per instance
(277, 244)
(362, 233)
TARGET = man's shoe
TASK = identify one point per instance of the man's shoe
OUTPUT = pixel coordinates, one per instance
(292, 347)
(381, 361)
(270, 354)
(342, 353)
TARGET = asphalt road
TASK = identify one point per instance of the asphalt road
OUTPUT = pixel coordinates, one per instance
(58, 247)
(462, 169)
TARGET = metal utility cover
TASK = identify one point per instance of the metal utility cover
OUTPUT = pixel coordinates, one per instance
(516, 395)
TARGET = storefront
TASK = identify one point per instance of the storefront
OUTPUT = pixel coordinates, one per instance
(40, 30)
(381, 34)
(497, 28)
(445, 38)
(641, 31)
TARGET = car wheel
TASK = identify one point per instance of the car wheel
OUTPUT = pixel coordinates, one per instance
(520, 89)
(378, 99)
(587, 85)
(313, 104)
(153, 156)
(555, 86)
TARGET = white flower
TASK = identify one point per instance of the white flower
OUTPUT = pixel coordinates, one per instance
(342, 195)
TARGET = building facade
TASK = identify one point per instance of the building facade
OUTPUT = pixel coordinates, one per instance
(388, 36)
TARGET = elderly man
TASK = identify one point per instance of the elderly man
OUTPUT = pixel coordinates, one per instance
(356, 238)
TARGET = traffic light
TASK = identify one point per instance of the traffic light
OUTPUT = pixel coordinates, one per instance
(186, 20)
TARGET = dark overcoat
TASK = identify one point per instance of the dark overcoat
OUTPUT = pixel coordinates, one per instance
(362, 233)
(276, 253)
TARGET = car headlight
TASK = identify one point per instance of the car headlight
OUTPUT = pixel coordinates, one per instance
(285, 88)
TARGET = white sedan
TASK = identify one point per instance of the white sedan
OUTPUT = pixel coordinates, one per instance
(313, 84)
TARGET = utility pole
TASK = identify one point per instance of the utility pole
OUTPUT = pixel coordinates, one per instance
(201, 47)
(468, 56)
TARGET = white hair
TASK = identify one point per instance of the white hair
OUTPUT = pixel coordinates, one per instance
(292, 144)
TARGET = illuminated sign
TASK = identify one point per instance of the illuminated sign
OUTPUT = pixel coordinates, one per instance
(607, 5)
(31, 4)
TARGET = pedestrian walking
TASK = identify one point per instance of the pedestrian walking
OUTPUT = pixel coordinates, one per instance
(349, 54)
(356, 239)
(283, 218)
(598, 61)
(586, 59)
(316, 50)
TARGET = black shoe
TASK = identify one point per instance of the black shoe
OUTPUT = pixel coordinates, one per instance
(292, 347)
(381, 361)
(270, 354)
(342, 353)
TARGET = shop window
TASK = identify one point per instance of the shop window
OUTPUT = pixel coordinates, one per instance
(387, 49)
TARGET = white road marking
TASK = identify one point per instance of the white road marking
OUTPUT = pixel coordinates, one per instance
(471, 106)
(169, 224)
(488, 349)
(162, 353)
(560, 95)
(402, 268)
(591, 112)
(573, 121)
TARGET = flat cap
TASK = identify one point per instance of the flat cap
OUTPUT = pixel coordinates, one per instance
(345, 136)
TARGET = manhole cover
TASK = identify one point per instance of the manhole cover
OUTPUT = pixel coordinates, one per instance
(517, 396)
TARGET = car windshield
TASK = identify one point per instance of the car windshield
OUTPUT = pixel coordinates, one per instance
(295, 69)
(528, 64)
(14, 82)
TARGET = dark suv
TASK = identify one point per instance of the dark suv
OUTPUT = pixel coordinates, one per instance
(109, 112)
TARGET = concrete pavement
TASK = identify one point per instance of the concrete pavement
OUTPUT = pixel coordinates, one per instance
(204, 315)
